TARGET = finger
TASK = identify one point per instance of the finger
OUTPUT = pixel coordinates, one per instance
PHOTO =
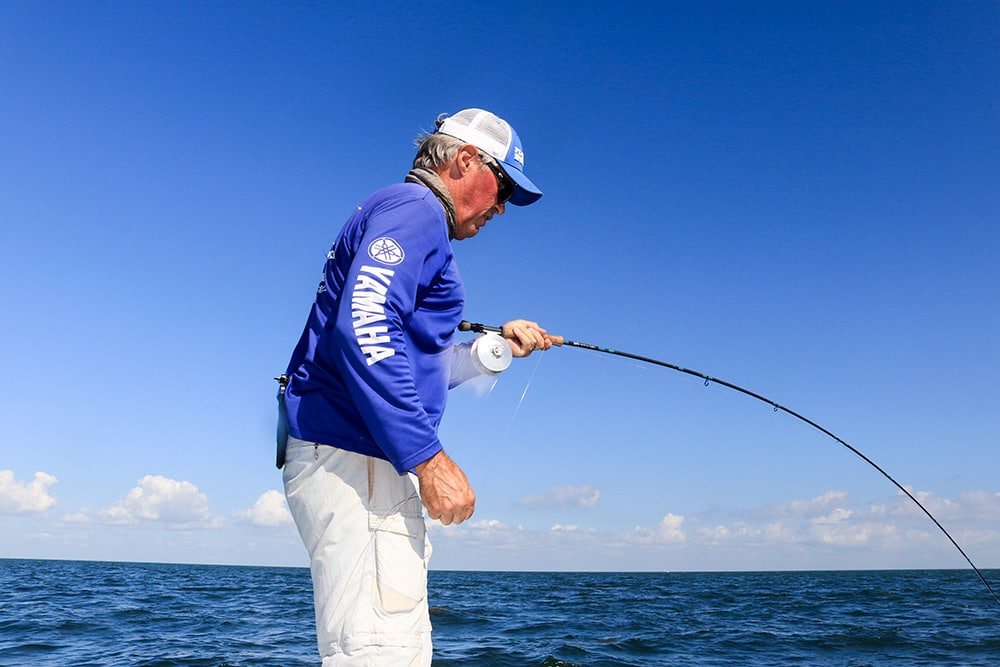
(529, 338)
(520, 329)
(533, 339)
(465, 516)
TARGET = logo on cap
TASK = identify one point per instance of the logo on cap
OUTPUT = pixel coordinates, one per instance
(519, 156)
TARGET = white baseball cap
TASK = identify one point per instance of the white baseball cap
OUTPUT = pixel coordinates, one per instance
(495, 137)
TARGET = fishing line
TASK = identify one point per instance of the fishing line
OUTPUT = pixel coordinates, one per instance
(560, 341)
(482, 399)
(523, 394)
(510, 424)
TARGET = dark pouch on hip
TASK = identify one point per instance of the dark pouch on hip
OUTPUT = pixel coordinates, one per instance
(281, 435)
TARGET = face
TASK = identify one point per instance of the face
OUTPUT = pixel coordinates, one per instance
(480, 198)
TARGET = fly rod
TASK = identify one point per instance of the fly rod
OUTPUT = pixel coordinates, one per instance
(560, 341)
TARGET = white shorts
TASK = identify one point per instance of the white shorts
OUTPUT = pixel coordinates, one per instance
(363, 526)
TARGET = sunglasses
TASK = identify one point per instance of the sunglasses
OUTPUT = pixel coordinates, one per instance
(505, 186)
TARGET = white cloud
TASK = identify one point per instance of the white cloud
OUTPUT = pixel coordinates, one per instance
(824, 504)
(834, 520)
(269, 511)
(586, 497)
(670, 530)
(487, 526)
(20, 498)
(824, 519)
(847, 528)
(160, 499)
(569, 528)
(749, 534)
(831, 520)
(970, 506)
(980, 505)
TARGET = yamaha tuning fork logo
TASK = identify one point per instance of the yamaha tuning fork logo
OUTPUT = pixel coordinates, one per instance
(386, 251)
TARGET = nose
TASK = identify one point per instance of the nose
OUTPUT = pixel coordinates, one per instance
(501, 207)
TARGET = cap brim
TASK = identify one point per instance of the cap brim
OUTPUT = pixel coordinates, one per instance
(525, 192)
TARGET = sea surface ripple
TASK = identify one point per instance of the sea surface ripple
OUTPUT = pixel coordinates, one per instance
(96, 614)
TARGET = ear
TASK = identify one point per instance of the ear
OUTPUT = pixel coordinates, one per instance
(466, 158)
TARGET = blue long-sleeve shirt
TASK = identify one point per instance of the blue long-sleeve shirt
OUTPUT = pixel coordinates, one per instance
(371, 372)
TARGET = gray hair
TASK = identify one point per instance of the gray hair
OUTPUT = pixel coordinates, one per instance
(435, 150)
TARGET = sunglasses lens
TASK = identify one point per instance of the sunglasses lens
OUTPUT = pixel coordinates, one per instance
(505, 187)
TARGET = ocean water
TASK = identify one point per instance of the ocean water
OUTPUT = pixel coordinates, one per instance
(74, 613)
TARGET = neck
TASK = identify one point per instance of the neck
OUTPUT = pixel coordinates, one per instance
(431, 180)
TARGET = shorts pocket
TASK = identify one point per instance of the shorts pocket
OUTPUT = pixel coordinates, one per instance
(400, 563)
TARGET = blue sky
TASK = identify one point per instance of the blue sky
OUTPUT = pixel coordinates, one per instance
(800, 198)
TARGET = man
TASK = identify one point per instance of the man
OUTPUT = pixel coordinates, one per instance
(366, 386)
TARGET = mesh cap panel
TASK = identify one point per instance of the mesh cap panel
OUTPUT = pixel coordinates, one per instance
(486, 123)
(481, 128)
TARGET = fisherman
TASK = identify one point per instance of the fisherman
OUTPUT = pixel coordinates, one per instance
(365, 389)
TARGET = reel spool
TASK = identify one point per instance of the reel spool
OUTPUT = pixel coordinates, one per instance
(491, 354)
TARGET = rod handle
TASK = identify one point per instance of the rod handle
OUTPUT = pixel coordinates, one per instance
(466, 325)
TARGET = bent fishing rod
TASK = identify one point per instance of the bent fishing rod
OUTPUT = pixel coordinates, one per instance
(561, 341)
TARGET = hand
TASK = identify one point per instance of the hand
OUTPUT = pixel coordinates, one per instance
(524, 337)
(445, 490)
